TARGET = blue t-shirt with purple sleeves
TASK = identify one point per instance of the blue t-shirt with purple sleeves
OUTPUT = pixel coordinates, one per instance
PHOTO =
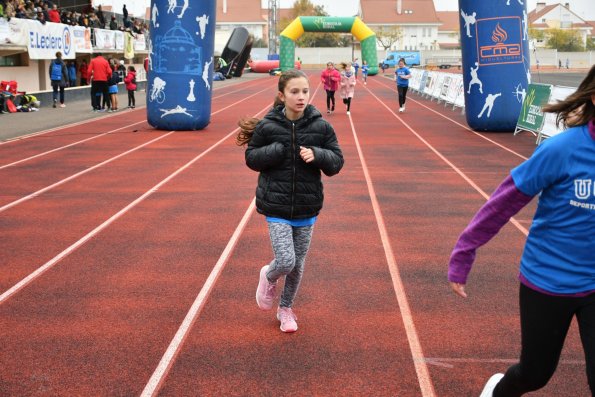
(559, 255)
(400, 72)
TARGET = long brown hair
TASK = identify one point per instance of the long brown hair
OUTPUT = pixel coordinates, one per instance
(248, 124)
(577, 108)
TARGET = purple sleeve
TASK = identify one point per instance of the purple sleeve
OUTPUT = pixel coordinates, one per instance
(504, 203)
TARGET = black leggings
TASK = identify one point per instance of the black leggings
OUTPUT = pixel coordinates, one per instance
(347, 102)
(131, 99)
(330, 98)
(545, 320)
(402, 90)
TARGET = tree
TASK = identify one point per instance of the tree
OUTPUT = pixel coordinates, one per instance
(567, 40)
(388, 35)
(310, 39)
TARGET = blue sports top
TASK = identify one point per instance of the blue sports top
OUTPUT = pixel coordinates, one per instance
(559, 254)
(293, 222)
(404, 71)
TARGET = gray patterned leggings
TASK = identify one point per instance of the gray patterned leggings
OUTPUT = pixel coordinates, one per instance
(290, 246)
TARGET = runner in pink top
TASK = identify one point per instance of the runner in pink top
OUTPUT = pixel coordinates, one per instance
(330, 78)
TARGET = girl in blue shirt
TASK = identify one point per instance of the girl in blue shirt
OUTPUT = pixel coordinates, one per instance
(402, 76)
(557, 274)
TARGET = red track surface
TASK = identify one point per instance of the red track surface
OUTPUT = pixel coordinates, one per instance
(128, 268)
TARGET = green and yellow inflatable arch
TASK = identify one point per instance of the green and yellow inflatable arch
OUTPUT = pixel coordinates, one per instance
(353, 25)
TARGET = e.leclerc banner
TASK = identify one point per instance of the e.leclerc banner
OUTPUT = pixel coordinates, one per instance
(531, 117)
(46, 40)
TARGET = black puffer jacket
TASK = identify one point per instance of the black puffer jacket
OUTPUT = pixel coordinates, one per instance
(288, 187)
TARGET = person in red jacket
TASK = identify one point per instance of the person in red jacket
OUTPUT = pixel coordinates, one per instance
(330, 78)
(54, 14)
(84, 70)
(100, 72)
(130, 82)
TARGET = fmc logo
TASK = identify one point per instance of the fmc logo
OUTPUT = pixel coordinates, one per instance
(499, 41)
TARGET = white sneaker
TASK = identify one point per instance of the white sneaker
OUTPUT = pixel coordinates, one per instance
(401, 110)
(488, 389)
(348, 112)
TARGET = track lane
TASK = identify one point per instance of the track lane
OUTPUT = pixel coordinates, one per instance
(38, 176)
(93, 198)
(424, 201)
(346, 293)
(123, 294)
(35, 145)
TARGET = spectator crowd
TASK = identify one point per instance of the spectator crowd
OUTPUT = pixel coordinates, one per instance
(47, 11)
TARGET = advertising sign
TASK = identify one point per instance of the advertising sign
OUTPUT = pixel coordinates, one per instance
(531, 117)
(45, 40)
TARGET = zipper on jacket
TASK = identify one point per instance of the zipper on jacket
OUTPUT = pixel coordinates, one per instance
(293, 148)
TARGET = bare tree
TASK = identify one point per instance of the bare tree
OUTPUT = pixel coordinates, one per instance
(388, 35)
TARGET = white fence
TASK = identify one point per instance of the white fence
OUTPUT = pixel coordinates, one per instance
(449, 88)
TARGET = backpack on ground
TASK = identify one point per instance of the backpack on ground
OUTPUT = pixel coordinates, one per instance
(56, 73)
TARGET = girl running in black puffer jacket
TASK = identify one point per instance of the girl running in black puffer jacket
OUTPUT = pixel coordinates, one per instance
(289, 147)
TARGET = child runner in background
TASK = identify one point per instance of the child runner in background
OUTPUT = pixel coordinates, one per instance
(330, 79)
(113, 88)
(130, 82)
(347, 85)
(402, 76)
(365, 69)
(557, 273)
(289, 148)
(355, 67)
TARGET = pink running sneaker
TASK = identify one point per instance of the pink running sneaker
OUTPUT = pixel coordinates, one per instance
(266, 291)
(287, 318)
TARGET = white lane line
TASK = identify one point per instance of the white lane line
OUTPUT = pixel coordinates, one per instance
(69, 145)
(450, 164)
(159, 375)
(62, 127)
(52, 262)
(423, 375)
(168, 358)
(459, 124)
(94, 137)
(74, 176)
(446, 362)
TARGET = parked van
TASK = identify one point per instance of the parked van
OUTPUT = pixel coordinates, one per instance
(412, 58)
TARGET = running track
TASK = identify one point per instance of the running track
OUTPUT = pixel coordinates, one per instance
(130, 256)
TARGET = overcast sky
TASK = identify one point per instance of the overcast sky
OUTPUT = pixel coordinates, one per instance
(345, 8)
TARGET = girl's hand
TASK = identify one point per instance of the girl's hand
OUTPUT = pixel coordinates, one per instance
(459, 289)
(306, 154)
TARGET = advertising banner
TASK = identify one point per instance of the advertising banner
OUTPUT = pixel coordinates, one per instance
(549, 125)
(531, 117)
(128, 45)
(82, 39)
(105, 39)
(119, 40)
(45, 40)
(139, 42)
(13, 32)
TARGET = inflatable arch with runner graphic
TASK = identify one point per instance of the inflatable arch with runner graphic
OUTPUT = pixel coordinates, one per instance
(353, 25)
